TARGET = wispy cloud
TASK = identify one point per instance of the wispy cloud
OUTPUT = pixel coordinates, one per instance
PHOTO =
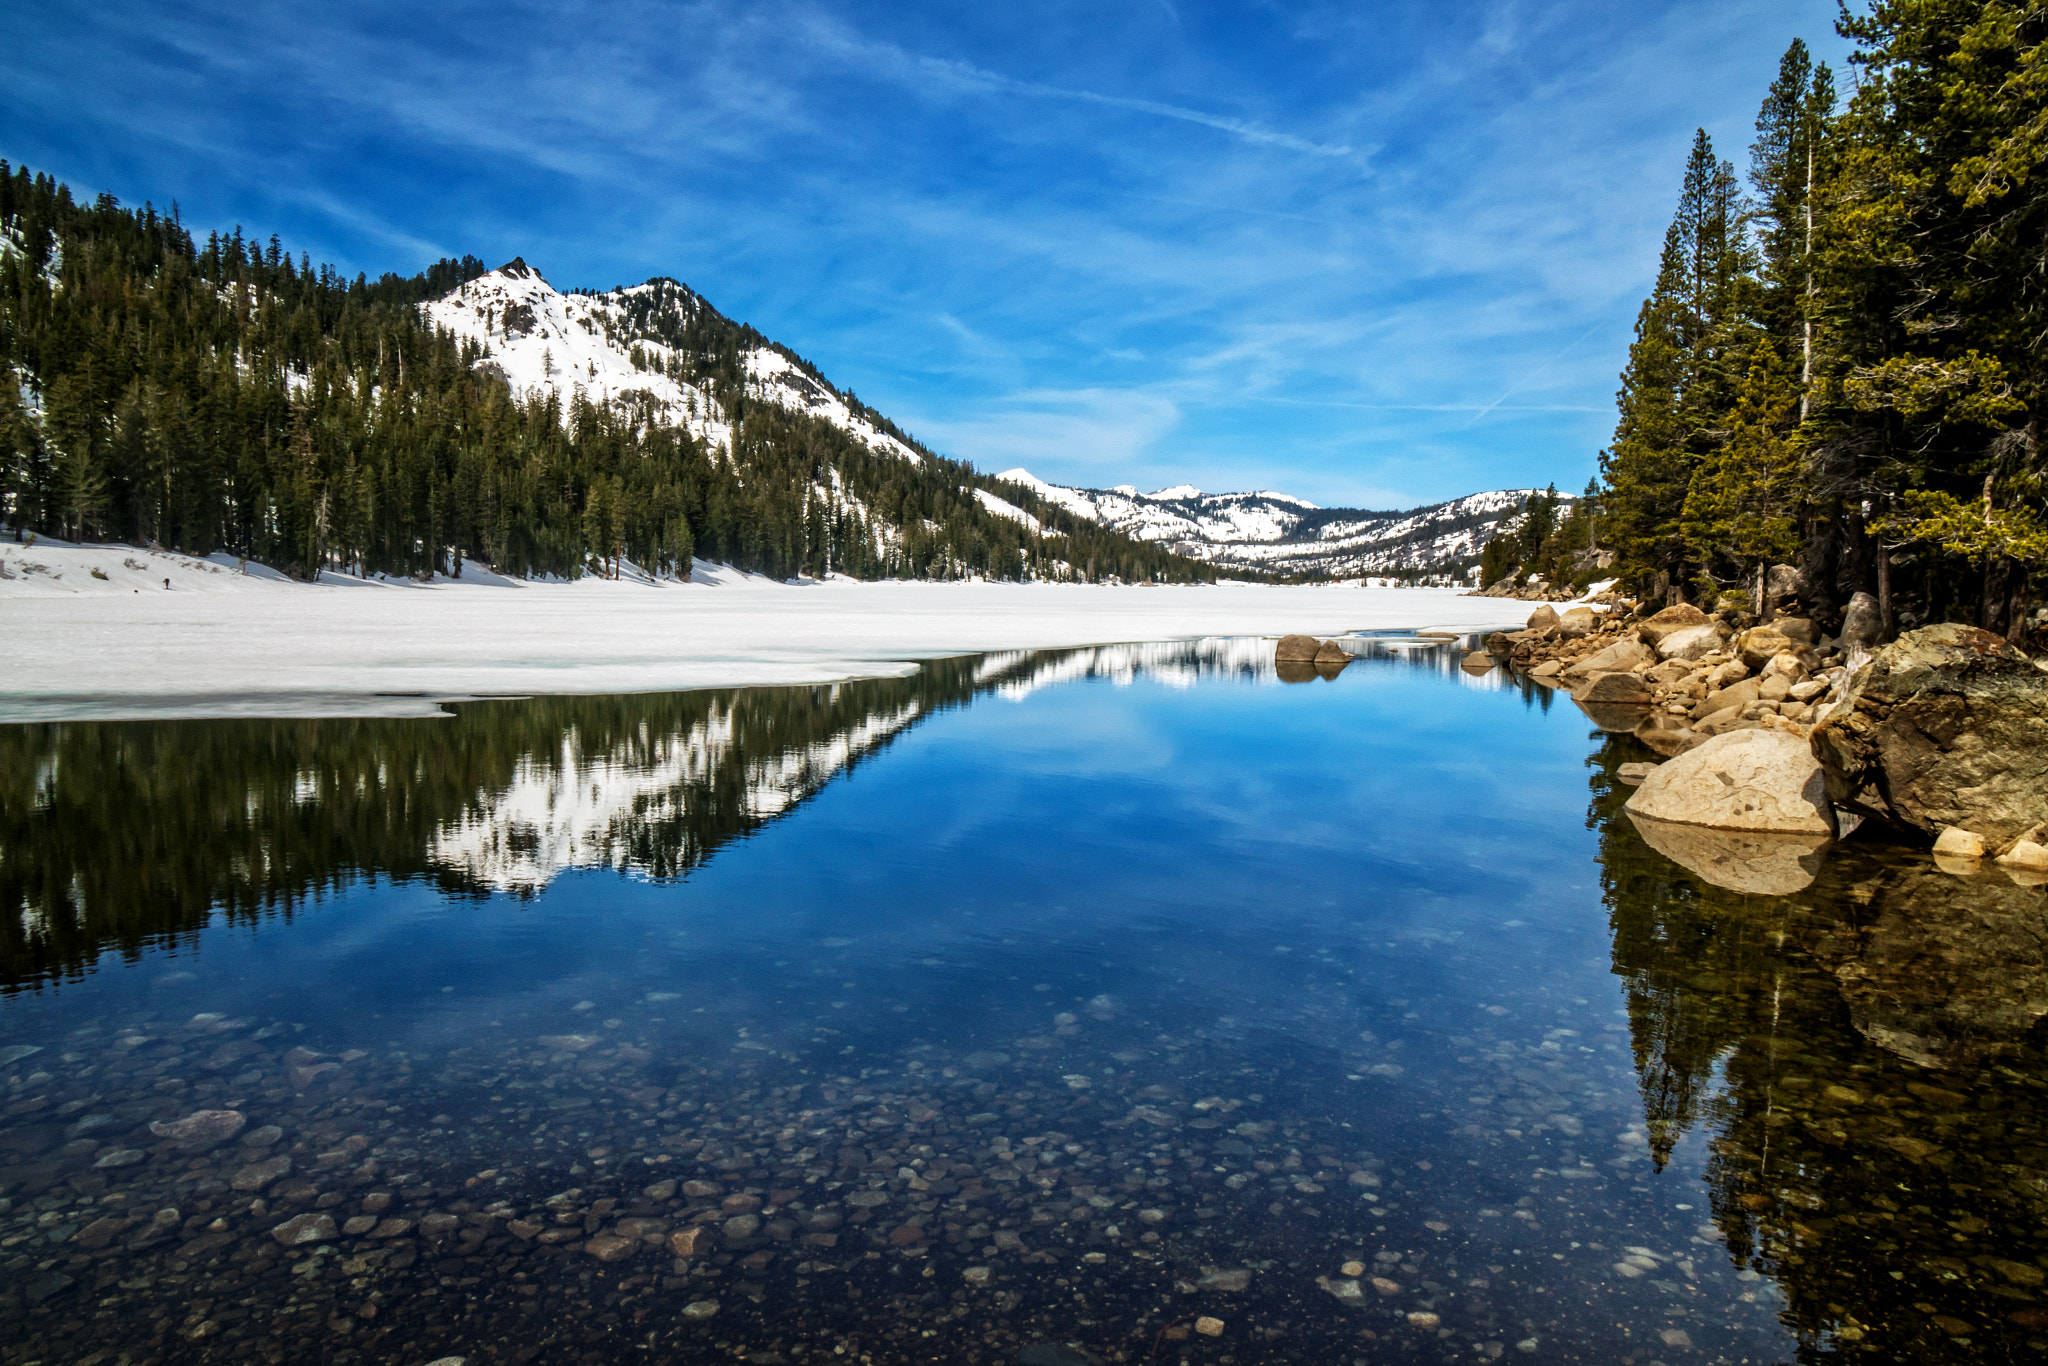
(1383, 250)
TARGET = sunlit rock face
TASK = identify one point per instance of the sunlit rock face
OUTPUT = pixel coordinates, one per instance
(1947, 725)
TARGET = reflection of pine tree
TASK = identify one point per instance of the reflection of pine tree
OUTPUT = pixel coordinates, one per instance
(1891, 1201)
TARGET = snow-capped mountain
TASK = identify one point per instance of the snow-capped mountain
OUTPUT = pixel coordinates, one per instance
(662, 348)
(659, 344)
(1281, 534)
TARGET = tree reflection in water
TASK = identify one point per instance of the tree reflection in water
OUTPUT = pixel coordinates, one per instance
(1865, 1058)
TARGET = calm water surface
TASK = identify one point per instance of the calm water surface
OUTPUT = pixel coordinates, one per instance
(1131, 999)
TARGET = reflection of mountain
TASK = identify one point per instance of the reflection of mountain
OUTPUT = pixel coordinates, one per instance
(1835, 1043)
(579, 808)
(123, 833)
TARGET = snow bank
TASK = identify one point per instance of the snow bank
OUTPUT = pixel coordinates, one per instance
(225, 643)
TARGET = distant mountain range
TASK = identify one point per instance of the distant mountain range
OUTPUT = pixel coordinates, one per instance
(1277, 533)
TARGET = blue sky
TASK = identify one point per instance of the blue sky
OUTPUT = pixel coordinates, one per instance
(1377, 253)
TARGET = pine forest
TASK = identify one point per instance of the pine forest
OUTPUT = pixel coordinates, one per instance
(1841, 367)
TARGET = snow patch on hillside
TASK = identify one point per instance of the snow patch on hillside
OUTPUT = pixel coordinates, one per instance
(543, 341)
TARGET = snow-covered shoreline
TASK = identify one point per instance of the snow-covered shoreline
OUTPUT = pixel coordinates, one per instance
(220, 642)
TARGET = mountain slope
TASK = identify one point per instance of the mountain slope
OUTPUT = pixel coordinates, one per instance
(659, 346)
(225, 397)
(1279, 534)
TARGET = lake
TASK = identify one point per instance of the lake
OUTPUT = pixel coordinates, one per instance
(1133, 1002)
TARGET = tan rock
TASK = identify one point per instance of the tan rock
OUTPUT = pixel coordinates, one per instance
(1549, 668)
(1478, 662)
(1957, 842)
(2025, 854)
(687, 1242)
(1330, 652)
(1297, 647)
(1691, 642)
(1622, 688)
(1722, 721)
(1209, 1327)
(1620, 657)
(1737, 695)
(1678, 617)
(1760, 644)
(1543, 618)
(1763, 780)
(1578, 622)
(1728, 671)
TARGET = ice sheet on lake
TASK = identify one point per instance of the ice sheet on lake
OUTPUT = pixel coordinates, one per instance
(222, 643)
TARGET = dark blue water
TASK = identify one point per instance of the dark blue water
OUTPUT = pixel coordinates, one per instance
(1093, 998)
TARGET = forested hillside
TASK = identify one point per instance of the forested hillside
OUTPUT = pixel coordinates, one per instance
(1841, 366)
(226, 397)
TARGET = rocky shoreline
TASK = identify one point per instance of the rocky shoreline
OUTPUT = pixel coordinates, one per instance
(1790, 737)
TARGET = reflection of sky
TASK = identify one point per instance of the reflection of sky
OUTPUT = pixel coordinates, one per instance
(1195, 850)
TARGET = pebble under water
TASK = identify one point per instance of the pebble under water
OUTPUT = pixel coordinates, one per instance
(1129, 1004)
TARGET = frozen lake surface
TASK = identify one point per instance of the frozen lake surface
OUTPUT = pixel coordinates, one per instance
(1120, 1001)
(95, 633)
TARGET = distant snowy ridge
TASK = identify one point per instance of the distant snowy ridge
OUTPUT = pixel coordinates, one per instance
(1278, 533)
(610, 347)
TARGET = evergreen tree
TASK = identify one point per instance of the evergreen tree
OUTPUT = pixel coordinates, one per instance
(1742, 503)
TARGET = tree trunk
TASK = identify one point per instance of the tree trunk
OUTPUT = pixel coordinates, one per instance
(1885, 610)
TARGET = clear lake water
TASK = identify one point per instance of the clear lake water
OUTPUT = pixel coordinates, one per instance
(1133, 1004)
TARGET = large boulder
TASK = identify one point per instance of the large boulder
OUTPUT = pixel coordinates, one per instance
(1330, 652)
(1947, 725)
(1543, 618)
(1577, 622)
(1620, 657)
(1691, 643)
(1297, 647)
(1764, 780)
(1679, 616)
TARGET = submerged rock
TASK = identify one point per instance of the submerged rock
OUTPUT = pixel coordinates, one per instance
(201, 1129)
(1760, 780)
(1948, 725)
